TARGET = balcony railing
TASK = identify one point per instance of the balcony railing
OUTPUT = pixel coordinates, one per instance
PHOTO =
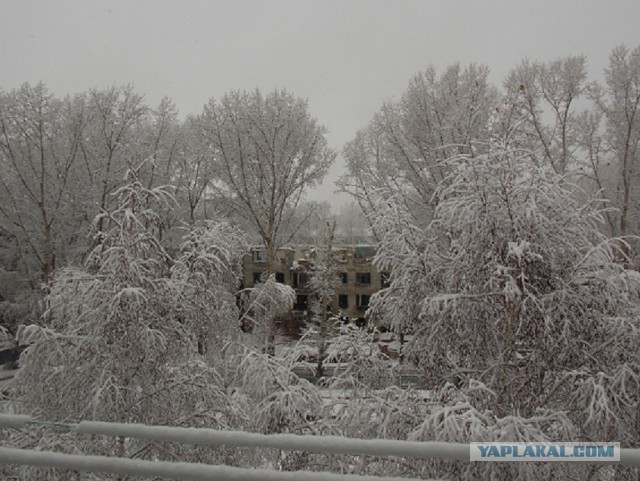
(211, 437)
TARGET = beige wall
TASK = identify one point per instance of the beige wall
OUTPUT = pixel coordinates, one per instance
(352, 261)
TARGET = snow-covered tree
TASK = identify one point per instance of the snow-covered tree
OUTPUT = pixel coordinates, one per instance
(268, 151)
(39, 153)
(549, 93)
(279, 400)
(111, 144)
(119, 341)
(404, 147)
(514, 295)
(207, 273)
(62, 159)
(193, 172)
(622, 113)
(610, 134)
(323, 284)
(262, 304)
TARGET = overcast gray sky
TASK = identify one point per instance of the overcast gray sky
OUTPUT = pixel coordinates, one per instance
(345, 56)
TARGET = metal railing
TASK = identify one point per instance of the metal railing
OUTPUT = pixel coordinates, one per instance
(212, 437)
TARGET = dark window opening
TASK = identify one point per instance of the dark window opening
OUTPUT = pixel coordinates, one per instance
(385, 279)
(363, 301)
(280, 277)
(302, 303)
(257, 277)
(343, 301)
(259, 256)
(299, 279)
(344, 277)
(363, 277)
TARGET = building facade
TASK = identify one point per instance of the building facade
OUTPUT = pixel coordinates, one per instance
(358, 278)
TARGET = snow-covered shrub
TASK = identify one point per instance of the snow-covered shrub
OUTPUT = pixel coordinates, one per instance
(323, 285)
(262, 304)
(358, 361)
(206, 273)
(281, 401)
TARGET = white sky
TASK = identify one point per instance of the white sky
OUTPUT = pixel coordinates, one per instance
(345, 56)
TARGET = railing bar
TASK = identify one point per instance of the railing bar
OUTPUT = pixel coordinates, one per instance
(169, 470)
(291, 442)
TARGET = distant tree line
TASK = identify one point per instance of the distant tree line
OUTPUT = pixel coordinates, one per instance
(569, 125)
(247, 156)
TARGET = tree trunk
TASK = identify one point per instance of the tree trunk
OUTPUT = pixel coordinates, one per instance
(322, 345)
(270, 347)
(48, 258)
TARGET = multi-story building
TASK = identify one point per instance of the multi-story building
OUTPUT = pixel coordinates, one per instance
(359, 279)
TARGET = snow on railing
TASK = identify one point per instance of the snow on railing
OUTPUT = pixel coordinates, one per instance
(201, 436)
(290, 442)
(168, 470)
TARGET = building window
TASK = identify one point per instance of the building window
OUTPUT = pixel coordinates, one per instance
(363, 277)
(259, 256)
(344, 277)
(257, 277)
(343, 301)
(302, 303)
(364, 253)
(363, 301)
(299, 279)
(280, 277)
(385, 279)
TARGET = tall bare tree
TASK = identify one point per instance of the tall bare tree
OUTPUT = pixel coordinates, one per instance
(404, 147)
(610, 135)
(194, 173)
(39, 146)
(269, 151)
(621, 109)
(109, 147)
(548, 94)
